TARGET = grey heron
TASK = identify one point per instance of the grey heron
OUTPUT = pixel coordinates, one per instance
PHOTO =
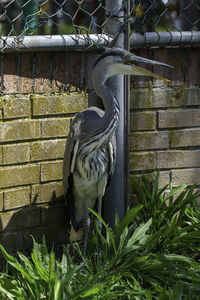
(90, 151)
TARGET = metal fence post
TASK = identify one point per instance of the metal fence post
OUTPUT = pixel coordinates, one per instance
(115, 200)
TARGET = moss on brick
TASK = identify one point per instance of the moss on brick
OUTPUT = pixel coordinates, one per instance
(45, 150)
(16, 197)
(174, 138)
(1, 201)
(17, 153)
(19, 175)
(142, 161)
(149, 98)
(185, 137)
(16, 108)
(19, 130)
(141, 97)
(59, 104)
(51, 171)
(47, 192)
(149, 140)
(57, 127)
(177, 95)
(1, 114)
(143, 121)
(1, 155)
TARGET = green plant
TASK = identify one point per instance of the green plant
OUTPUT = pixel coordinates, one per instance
(175, 216)
(152, 253)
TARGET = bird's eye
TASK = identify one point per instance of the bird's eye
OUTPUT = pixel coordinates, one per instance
(124, 57)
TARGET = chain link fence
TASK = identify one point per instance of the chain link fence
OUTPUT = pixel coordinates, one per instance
(19, 19)
(165, 15)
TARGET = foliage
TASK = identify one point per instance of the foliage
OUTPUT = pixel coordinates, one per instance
(175, 217)
(152, 253)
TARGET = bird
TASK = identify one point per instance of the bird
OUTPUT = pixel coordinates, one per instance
(90, 151)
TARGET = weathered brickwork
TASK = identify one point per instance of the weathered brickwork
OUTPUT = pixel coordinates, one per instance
(39, 98)
(172, 144)
(33, 132)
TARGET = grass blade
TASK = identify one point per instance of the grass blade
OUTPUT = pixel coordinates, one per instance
(139, 233)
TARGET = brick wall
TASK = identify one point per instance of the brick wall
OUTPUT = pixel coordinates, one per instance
(40, 94)
(33, 133)
(165, 119)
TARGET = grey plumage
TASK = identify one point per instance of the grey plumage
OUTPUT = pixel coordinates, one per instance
(88, 161)
(90, 151)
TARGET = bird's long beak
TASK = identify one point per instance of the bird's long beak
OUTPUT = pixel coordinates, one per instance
(131, 60)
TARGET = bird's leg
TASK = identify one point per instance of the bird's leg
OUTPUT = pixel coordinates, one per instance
(86, 226)
(99, 224)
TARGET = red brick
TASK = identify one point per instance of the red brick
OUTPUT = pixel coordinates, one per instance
(142, 81)
(60, 76)
(26, 73)
(90, 60)
(10, 73)
(176, 59)
(74, 70)
(161, 55)
(192, 74)
(42, 73)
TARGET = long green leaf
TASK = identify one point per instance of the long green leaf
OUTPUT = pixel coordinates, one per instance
(92, 291)
(155, 190)
(182, 258)
(13, 262)
(177, 292)
(176, 190)
(130, 215)
(52, 273)
(6, 293)
(40, 269)
(139, 233)
(57, 290)
(107, 229)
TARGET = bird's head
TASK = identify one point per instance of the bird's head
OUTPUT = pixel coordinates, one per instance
(118, 61)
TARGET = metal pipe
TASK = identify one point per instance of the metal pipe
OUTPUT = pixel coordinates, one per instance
(161, 39)
(127, 114)
(114, 202)
(43, 43)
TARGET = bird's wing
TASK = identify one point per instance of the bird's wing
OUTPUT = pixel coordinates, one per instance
(112, 157)
(71, 149)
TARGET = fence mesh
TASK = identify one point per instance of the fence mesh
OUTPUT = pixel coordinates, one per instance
(20, 18)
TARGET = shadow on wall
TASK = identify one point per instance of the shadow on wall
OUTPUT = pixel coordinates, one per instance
(39, 73)
(45, 72)
(18, 227)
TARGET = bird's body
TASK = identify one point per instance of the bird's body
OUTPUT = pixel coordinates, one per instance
(90, 151)
(92, 162)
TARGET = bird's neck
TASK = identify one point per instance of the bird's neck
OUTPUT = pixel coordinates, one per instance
(107, 124)
(111, 105)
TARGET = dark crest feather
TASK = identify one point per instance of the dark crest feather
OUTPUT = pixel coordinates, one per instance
(111, 52)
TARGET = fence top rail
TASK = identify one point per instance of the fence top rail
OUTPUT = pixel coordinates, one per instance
(42, 43)
(161, 39)
(95, 41)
